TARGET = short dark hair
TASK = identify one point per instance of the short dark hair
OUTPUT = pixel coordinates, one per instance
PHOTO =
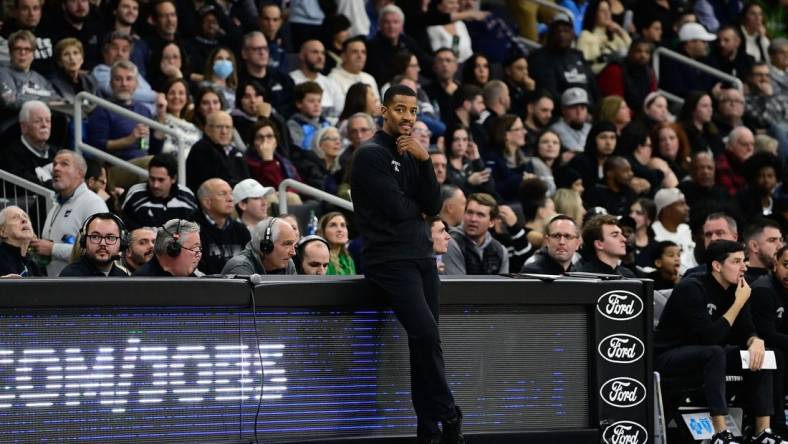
(512, 57)
(94, 169)
(348, 42)
(465, 93)
(719, 250)
(612, 163)
(592, 230)
(556, 218)
(153, 10)
(309, 87)
(397, 90)
(485, 200)
(759, 161)
(432, 219)
(537, 95)
(756, 228)
(659, 249)
(532, 195)
(166, 161)
(443, 49)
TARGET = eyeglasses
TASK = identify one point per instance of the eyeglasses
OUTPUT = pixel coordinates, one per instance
(109, 239)
(22, 49)
(558, 236)
(258, 48)
(330, 139)
(196, 250)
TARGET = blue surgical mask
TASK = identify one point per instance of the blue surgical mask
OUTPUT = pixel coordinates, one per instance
(223, 68)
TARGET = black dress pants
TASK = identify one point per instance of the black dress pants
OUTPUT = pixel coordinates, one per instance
(713, 362)
(411, 287)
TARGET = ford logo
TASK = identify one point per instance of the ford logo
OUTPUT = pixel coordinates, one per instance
(621, 348)
(624, 432)
(619, 305)
(623, 392)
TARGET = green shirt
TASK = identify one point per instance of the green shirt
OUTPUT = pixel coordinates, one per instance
(346, 265)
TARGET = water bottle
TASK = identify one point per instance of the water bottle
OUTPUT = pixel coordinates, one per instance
(144, 143)
(311, 227)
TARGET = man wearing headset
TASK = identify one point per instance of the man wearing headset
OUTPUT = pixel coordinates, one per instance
(176, 251)
(270, 251)
(312, 256)
(102, 237)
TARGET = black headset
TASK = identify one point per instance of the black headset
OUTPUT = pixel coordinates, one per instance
(301, 247)
(267, 243)
(174, 246)
(123, 238)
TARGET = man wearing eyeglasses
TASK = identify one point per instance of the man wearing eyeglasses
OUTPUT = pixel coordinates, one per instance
(255, 67)
(605, 246)
(561, 240)
(18, 82)
(102, 243)
(215, 156)
(176, 251)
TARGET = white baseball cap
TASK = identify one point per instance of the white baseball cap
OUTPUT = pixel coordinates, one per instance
(667, 197)
(695, 31)
(249, 188)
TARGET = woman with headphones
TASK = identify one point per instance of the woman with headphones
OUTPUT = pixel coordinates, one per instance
(333, 228)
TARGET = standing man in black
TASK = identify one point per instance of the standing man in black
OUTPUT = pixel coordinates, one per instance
(393, 184)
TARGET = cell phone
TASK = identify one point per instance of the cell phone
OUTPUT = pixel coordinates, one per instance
(628, 16)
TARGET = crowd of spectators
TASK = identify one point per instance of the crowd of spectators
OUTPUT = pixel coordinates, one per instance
(572, 154)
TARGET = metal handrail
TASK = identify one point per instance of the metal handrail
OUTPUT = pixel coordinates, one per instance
(103, 155)
(49, 195)
(695, 64)
(528, 42)
(309, 191)
(563, 9)
(672, 97)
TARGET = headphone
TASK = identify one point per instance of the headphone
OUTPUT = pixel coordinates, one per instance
(301, 247)
(174, 246)
(124, 237)
(267, 243)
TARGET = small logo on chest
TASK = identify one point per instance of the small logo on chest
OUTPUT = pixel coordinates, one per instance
(395, 166)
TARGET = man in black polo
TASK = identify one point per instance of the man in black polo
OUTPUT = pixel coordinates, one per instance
(102, 239)
(561, 240)
(393, 184)
(704, 325)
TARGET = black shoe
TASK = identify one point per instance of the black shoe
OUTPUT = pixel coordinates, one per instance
(428, 435)
(767, 437)
(725, 437)
(452, 429)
